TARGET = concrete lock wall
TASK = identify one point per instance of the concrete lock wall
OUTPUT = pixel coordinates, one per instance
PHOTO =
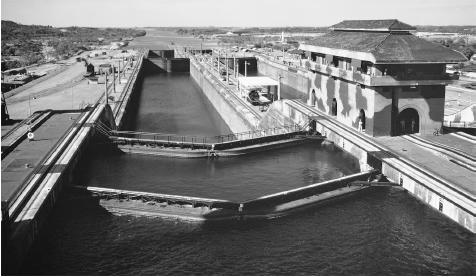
(294, 83)
(236, 123)
(430, 196)
(337, 139)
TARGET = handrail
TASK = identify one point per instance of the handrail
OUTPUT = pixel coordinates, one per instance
(209, 139)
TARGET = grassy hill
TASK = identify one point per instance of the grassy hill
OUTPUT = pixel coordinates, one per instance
(26, 44)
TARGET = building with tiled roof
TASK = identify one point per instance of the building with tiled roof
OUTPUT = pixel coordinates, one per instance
(377, 75)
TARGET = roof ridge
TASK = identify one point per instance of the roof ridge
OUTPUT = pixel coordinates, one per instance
(393, 23)
(380, 43)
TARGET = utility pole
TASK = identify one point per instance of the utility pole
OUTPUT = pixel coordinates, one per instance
(113, 79)
(279, 86)
(119, 72)
(234, 66)
(105, 87)
(218, 62)
(227, 65)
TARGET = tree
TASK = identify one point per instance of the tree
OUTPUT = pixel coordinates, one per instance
(468, 52)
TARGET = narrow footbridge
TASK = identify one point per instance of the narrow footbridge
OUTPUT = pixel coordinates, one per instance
(222, 142)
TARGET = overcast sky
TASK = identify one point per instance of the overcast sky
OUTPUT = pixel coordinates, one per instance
(130, 13)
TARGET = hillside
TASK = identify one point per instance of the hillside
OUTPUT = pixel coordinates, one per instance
(27, 44)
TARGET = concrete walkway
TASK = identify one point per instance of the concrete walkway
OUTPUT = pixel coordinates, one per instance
(17, 166)
(455, 142)
(432, 162)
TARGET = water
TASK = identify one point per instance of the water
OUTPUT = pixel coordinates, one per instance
(383, 231)
(173, 103)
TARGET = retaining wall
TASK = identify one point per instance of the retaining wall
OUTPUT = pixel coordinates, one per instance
(237, 120)
(295, 83)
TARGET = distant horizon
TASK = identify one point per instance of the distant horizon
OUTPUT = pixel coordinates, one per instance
(227, 13)
(214, 26)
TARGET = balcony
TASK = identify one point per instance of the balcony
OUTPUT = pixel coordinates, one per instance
(416, 79)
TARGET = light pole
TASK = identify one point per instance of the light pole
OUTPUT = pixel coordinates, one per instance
(105, 87)
(246, 68)
(119, 72)
(234, 66)
(279, 86)
(219, 62)
(226, 62)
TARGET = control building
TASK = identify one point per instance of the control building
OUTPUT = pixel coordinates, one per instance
(378, 73)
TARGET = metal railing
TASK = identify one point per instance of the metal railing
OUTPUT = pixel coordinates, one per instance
(179, 139)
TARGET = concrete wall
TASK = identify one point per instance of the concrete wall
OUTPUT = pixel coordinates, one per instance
(34, 215)
(172, 64)
(432, 194)
(294, 84)
(274, 117)
(235, 120)
(351, 98)
(429, 101)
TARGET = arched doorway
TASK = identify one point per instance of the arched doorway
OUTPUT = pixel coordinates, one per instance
(334, 107)
(362, 120)
(313, 98)
(408, 122)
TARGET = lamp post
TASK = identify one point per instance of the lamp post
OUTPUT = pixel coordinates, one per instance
(234, 66)
(219, 62)
(226, 62)
(279, 86)
(105, 87)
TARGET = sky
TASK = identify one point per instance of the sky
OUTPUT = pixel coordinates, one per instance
(239, 13)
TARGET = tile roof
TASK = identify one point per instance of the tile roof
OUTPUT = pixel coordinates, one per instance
(373, 25)
(389, 47)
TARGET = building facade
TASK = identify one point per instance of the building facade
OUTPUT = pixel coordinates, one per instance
(376, 76)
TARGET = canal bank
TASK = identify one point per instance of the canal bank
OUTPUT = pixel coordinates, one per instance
(40, 171)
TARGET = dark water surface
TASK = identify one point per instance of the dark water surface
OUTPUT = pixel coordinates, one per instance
(237, 179)
(383, 231)
(173, 103)
(380, 232)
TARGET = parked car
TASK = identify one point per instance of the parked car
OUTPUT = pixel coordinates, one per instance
(258, 98)
(253, 98)
(470, 86)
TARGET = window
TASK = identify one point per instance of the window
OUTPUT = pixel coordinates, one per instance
(334, 107)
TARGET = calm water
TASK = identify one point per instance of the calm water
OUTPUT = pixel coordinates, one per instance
(173, 103)
(380, 232)
(237, 179)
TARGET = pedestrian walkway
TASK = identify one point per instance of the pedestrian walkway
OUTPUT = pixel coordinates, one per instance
(431, 161)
